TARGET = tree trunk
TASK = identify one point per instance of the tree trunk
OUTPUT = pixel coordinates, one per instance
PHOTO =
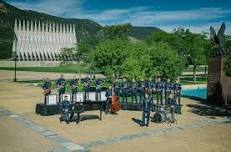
(194, 73)
(205, 70)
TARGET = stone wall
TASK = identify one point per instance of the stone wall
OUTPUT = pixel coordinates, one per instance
(226, 86)
(219, 85)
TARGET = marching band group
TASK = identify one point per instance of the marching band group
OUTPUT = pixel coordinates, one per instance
(145, 92)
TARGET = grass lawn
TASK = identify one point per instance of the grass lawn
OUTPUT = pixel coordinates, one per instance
(189, 80)
(72, 68)
(198, 69)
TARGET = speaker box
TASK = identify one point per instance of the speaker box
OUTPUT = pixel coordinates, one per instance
(47, 110)
(178, 109)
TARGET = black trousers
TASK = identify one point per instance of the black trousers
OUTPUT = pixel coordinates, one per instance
(145, 118)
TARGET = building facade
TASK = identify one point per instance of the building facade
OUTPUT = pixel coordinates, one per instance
(39, 41)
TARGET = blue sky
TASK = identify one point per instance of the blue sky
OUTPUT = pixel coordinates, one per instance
(197, 15)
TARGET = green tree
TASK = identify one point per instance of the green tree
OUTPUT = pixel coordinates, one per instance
(164, 61)
(161, 36)
(67, 55)
(193, 47)
(109, 55)
(227, 66)
(117, 31)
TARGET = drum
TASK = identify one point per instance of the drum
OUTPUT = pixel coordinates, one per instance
(92, 96)
(159, 117)
(115, 104)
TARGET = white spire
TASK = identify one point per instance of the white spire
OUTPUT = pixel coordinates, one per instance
(15, 25)
(63, 25)
(43, 28)
(27, 25)
(20, 26)
(61, 28)
(23, 25)
(35, 26)
(50, 27)
(46, 25)
(31, 25)
(39, 27)
(73, 28)
(57, 28)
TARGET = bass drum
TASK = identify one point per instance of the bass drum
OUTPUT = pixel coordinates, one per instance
(115, 104)
(159, 117)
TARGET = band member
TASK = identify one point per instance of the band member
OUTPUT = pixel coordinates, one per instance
(86, 84)
(177, 91)
(61, 82)
(142, 90)
(154, 83)
(66, 109)
(46, 89)
(159, 90)
(168, 87)
(134, 90)
(98, 83)
(117, 88)
(146, 108)
(74, 88)
(149, 86)
(108, 95)
(125, 91)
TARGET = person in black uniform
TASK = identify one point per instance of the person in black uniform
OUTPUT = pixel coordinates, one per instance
(134, 91)
(61, 82)
(154, 83)
(177, 91)
(167, 90)
(74, 88)
(117, 87)
(125, 91)
(149, 86)
(146, 108)
(98, 83)
(86, 84)
(108, 95)
(142, 90)
(46, 89)
(159, 91)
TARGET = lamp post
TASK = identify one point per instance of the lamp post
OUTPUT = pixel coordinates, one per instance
(15, 67)
(15, 58)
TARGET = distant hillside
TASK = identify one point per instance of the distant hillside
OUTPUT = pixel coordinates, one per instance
(142, 32)
(85, 29)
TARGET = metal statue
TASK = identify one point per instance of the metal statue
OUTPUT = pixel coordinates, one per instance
(218, 39)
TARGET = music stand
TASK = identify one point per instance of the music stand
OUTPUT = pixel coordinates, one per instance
(51, 99)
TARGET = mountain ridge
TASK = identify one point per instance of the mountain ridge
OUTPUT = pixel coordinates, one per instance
(86, 29)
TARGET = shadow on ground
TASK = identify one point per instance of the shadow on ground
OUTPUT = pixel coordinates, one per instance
(207, 109)
(88, 117)
(137, 121)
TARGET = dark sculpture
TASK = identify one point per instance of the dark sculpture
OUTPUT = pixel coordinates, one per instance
(218, 40)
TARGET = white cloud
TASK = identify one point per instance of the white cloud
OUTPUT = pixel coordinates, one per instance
(53, 7)
(199, 28)
(196, 19)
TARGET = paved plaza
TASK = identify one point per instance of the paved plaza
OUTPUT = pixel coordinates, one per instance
(199, 128)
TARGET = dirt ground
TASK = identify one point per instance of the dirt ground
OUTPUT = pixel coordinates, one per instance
(114, 133)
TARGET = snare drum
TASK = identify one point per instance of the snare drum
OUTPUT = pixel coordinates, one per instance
(159, 117)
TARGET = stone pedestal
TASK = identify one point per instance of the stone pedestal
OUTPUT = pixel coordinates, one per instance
(214, 80)
(219, 85)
